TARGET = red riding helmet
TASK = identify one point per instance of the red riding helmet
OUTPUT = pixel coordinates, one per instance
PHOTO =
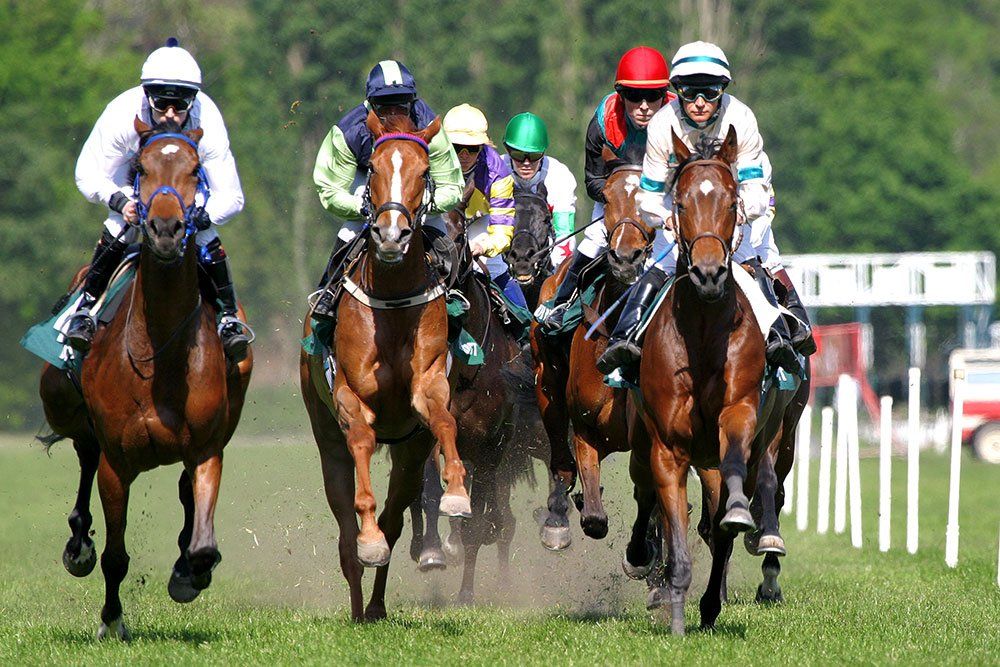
(643, 67)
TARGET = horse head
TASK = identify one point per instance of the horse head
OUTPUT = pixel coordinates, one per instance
(399, 185)
(168, 174)
(630, 240)
(528, 253)
(705, 211)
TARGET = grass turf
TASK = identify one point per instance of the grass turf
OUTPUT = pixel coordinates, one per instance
(279, 597)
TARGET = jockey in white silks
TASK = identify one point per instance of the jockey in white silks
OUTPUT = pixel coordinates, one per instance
(169, 95)
(703, 110)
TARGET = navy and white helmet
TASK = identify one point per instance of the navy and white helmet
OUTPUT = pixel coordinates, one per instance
(391, 79)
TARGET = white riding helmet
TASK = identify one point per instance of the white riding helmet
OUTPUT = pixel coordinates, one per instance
(466, 125)
(699, 59)
(171, 64)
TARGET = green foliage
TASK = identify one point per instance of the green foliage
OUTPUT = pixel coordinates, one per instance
(882, 122)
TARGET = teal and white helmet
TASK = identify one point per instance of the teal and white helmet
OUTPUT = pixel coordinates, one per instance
(700, 61)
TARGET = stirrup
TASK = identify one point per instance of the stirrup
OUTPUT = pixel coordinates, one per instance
(780, 353)
(236, 336)
(323, 306)
(619, 354)
(80, 330)
(551, 319)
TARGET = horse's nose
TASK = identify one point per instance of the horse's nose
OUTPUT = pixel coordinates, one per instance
(629, 256)
(165, 227)
(708, 275)
(391, 234)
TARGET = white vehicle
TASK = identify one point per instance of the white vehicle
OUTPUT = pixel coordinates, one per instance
(981, 409)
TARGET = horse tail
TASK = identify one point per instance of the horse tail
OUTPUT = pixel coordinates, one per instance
(519, 376)
(49, 440)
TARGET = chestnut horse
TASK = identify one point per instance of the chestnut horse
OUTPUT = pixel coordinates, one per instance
(569, 385)
(156, 386)
(391, 382)
(700, 381)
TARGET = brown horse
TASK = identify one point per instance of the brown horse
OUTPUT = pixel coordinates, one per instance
(700, 379)
(391, 382)
(570, 388)
(156, 386)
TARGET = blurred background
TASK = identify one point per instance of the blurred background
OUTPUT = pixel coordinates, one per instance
(882, 123)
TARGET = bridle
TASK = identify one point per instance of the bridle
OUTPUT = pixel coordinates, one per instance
(415, 218)
(647, 235)
(538, 256)
(685, 246)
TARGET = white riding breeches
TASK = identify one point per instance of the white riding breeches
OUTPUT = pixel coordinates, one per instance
(495, 265)
(595, 237)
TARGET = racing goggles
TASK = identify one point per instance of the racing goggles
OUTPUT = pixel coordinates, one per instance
(710, 93)
(637, 95)
(521, 156)
(181, 102)
(471, 150)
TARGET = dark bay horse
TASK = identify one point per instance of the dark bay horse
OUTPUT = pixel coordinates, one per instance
(391, 383)
(156, 386)
(528, 256)
(487, 402)
(700, 381)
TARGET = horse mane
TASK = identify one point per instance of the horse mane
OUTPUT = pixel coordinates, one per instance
(706, 148)
(398, 123)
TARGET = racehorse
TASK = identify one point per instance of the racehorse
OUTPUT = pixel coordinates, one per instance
(391, 383)
(156, 385)
(528, 256)
(569, 384)
(486, 404)
(700, 382)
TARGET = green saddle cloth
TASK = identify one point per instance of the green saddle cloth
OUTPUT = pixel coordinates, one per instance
(574, 313)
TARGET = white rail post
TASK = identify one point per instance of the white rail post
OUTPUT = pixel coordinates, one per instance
(825, 447)
(998, 562)
(913, 461)
(840, 478)
(885, 475)
(804, 445)
(853, 462)
(951, 533)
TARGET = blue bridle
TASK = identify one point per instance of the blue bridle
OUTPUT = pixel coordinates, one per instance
(142, 207)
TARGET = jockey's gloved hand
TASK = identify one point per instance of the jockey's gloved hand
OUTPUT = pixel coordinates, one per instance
(200, 219)
(118, 202)
(653, 210)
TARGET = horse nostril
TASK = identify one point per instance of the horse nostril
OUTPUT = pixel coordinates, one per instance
(697, 273)
(635, 256)
(404, 234)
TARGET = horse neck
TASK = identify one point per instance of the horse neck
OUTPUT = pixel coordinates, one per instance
(388, 281)
(704, 324)
(166, 294)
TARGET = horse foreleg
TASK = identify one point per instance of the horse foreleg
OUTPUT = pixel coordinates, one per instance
(769, 591)
(338, 482)
(482, 528)
(670, 476)
(431, 397)
(179, 586)
(79, 556)
(203, 551)
(767, 491)
(405, 482)
(430, 556)
(550, 392)
(711, 601)
(736, 426)
(640, 555)
(593, 518)
(711, 492)
(114, 558)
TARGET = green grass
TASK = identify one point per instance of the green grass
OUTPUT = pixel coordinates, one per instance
(278, 596)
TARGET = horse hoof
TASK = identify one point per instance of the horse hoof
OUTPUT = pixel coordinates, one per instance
(465, 598)
(181, 589)
(657, 597)
(432, 558)
(83, 564)
(637, 572)
(455, 505)
(594, 526)
(374, 613)
(202, 563)
(769, 595)
(555, 538)
(114, 630)
(374, 554)
(751, 539)
(737, 520)
(771, 544)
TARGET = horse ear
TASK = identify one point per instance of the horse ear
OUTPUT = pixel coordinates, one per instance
(431, 130)
(729, 146)
(141, 128)
(680, 148)
(375, 125)
(195, 135)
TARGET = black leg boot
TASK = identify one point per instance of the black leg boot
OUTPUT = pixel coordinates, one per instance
(622, 349)
(235, 335)
(802, 337)
(325, 308)
(552, 319)
(442, 249)
(82, 326)
(778, 346)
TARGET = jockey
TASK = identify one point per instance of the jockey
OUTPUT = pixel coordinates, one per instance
(700, 74)
(170, 90)
(342, 165)
(619, 124)
(526, 139)
(490, 205)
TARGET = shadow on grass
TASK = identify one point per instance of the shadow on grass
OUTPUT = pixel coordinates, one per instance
(185, 635)
(451, 627)
(647, 623)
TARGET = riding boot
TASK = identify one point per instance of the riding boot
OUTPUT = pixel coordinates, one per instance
(622, 349)
(107, 256)
(778, 346)
(442, 249)
(552, 318)
(511, 289)
(325, 307)
(235, 335)
(802, 337)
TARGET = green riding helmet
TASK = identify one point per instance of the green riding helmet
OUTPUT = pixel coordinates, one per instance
(526, 132)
